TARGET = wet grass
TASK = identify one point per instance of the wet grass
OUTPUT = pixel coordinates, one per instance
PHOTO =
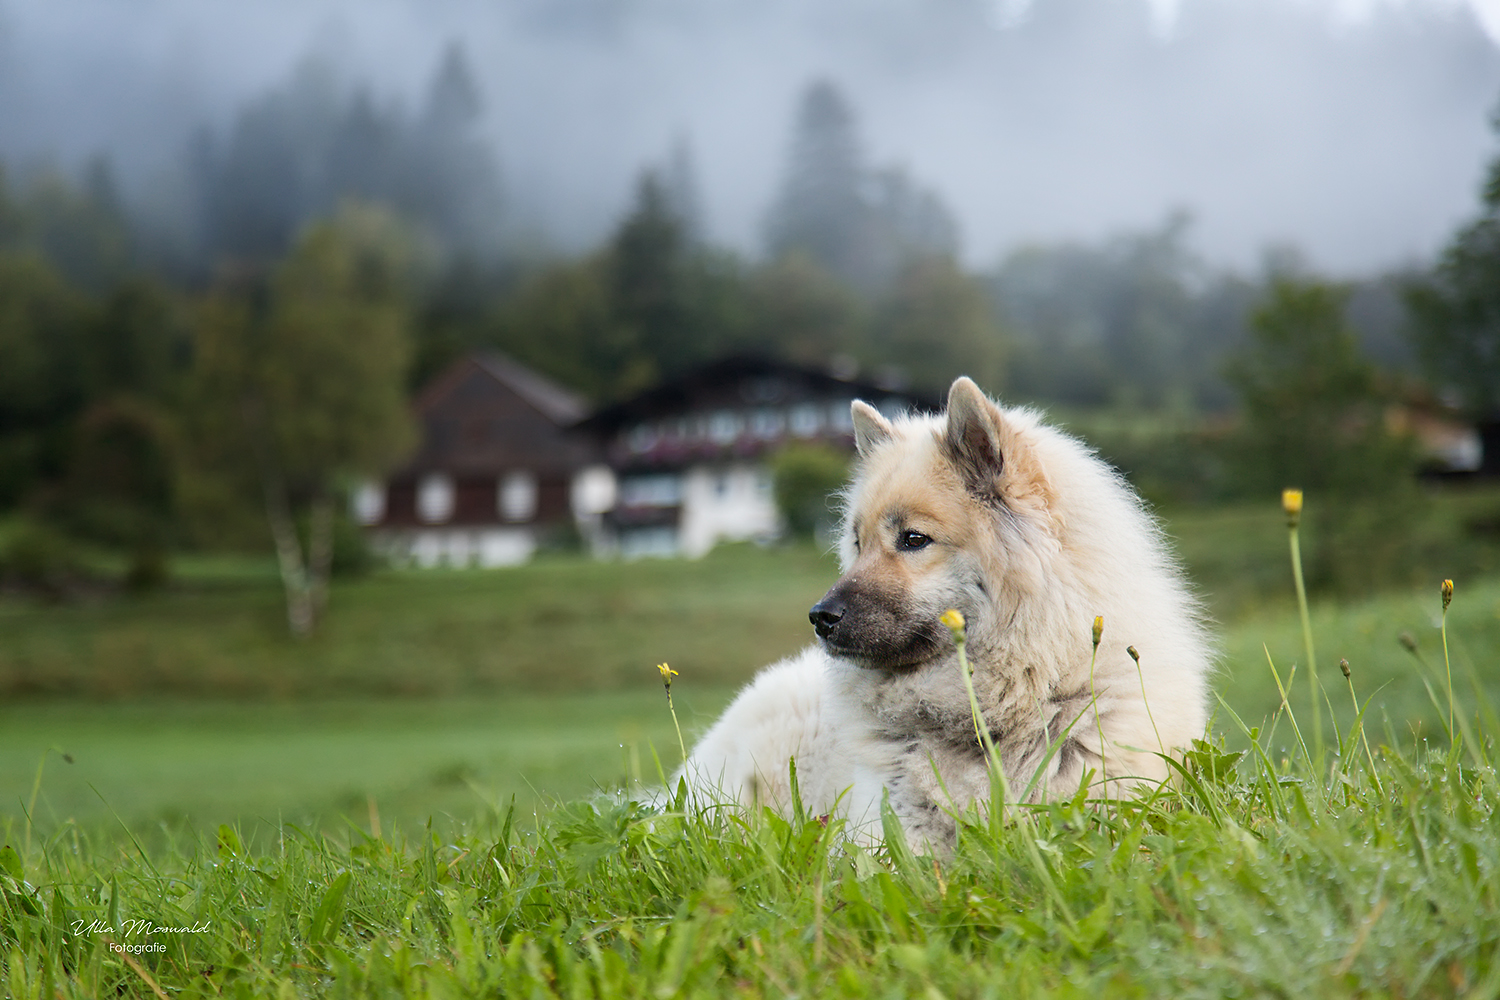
(1359, 875)
(1371, 868)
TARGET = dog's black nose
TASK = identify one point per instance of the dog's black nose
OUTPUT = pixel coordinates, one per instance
(825, 615)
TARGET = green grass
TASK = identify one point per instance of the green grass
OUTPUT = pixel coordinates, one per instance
(1253, 879)
(1261, 874)
(160, 767)
(1368, 634)
(563, 624)
(196, 763)
(558, 626)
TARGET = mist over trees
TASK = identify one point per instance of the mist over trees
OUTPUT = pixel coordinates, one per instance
(156, 394)
(858, 223)
(293, 154)
(81, 227)
(1140, 320)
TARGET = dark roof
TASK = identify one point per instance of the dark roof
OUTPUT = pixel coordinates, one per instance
(547, 397)
(486, 414)
(748, 381)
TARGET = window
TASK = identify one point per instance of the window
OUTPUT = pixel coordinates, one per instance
(724, 427)
(767, 423)
(806, 420)
(651, 491)
(838, 417)
(642, 437)
(517, 496)
(435, 498)
(368, 502)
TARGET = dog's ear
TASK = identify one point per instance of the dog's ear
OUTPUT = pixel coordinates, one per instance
(992, 455)
(870, 428)
(972, 439)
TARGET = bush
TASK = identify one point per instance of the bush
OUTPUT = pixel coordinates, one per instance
(1314, 419)
(807, 477)
(38, 557)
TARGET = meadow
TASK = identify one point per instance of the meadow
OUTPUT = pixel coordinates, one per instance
(425, 799)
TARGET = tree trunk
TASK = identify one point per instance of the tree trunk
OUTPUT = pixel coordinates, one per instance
(300, 613)
(319, 552)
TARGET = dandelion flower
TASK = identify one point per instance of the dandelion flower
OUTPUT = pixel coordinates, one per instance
(954, 619)
(1447, 593)
(1098, 629)
(1291, 502)
(667, 673)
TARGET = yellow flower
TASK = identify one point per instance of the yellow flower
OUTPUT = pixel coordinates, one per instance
(667, 673)
(1098, 629)
(1447, 593)
(954, 619)
(1291, 501)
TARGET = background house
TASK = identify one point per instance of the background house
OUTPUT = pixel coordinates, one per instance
(690, 455)
(497, 470)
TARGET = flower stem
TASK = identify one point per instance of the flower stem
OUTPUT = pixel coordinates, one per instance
(1307, 642)
(1447, 591)
(681, 746)
(955, 623)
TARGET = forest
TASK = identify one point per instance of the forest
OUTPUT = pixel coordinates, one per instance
(162, 385)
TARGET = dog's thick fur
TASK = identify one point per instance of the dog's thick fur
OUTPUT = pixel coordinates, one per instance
(1025, 532)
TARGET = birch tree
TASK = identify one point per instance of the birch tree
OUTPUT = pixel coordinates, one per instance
(301, 375)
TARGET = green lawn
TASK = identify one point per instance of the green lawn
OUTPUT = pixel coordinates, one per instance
(365, 779)
(563, 625)
(179, 764)
(443, 692)
(183, 762)
(1256, 878)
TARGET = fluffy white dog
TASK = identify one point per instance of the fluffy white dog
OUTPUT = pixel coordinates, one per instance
(1030, 536)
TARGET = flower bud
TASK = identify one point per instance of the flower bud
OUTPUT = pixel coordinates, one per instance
(1098, 629)
(1447, 593)
(1291, 502)
(1344, 666)
(954, 619)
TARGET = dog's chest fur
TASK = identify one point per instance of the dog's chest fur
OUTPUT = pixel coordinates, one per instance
(920, 737)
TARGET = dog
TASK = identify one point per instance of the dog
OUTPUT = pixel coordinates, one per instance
(1030, 537)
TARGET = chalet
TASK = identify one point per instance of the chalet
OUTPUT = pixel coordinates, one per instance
(690, 455)
(498, 471)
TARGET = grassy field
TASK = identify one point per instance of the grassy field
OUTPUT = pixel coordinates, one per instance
(563, 625)
(160, 764)
(158, 768)
(369, 847)
(1377, 876)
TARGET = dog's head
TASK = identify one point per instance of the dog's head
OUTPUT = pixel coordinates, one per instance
(936, 506)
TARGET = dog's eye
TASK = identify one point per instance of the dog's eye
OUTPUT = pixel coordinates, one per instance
(908, 541)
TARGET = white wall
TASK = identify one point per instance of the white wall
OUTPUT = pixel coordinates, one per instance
(458, 548)
(726, 503)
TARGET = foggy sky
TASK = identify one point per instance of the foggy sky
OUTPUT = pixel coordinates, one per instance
(1356, 130)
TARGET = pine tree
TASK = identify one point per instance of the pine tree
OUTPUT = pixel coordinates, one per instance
(822, 209)
(1456, 314)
